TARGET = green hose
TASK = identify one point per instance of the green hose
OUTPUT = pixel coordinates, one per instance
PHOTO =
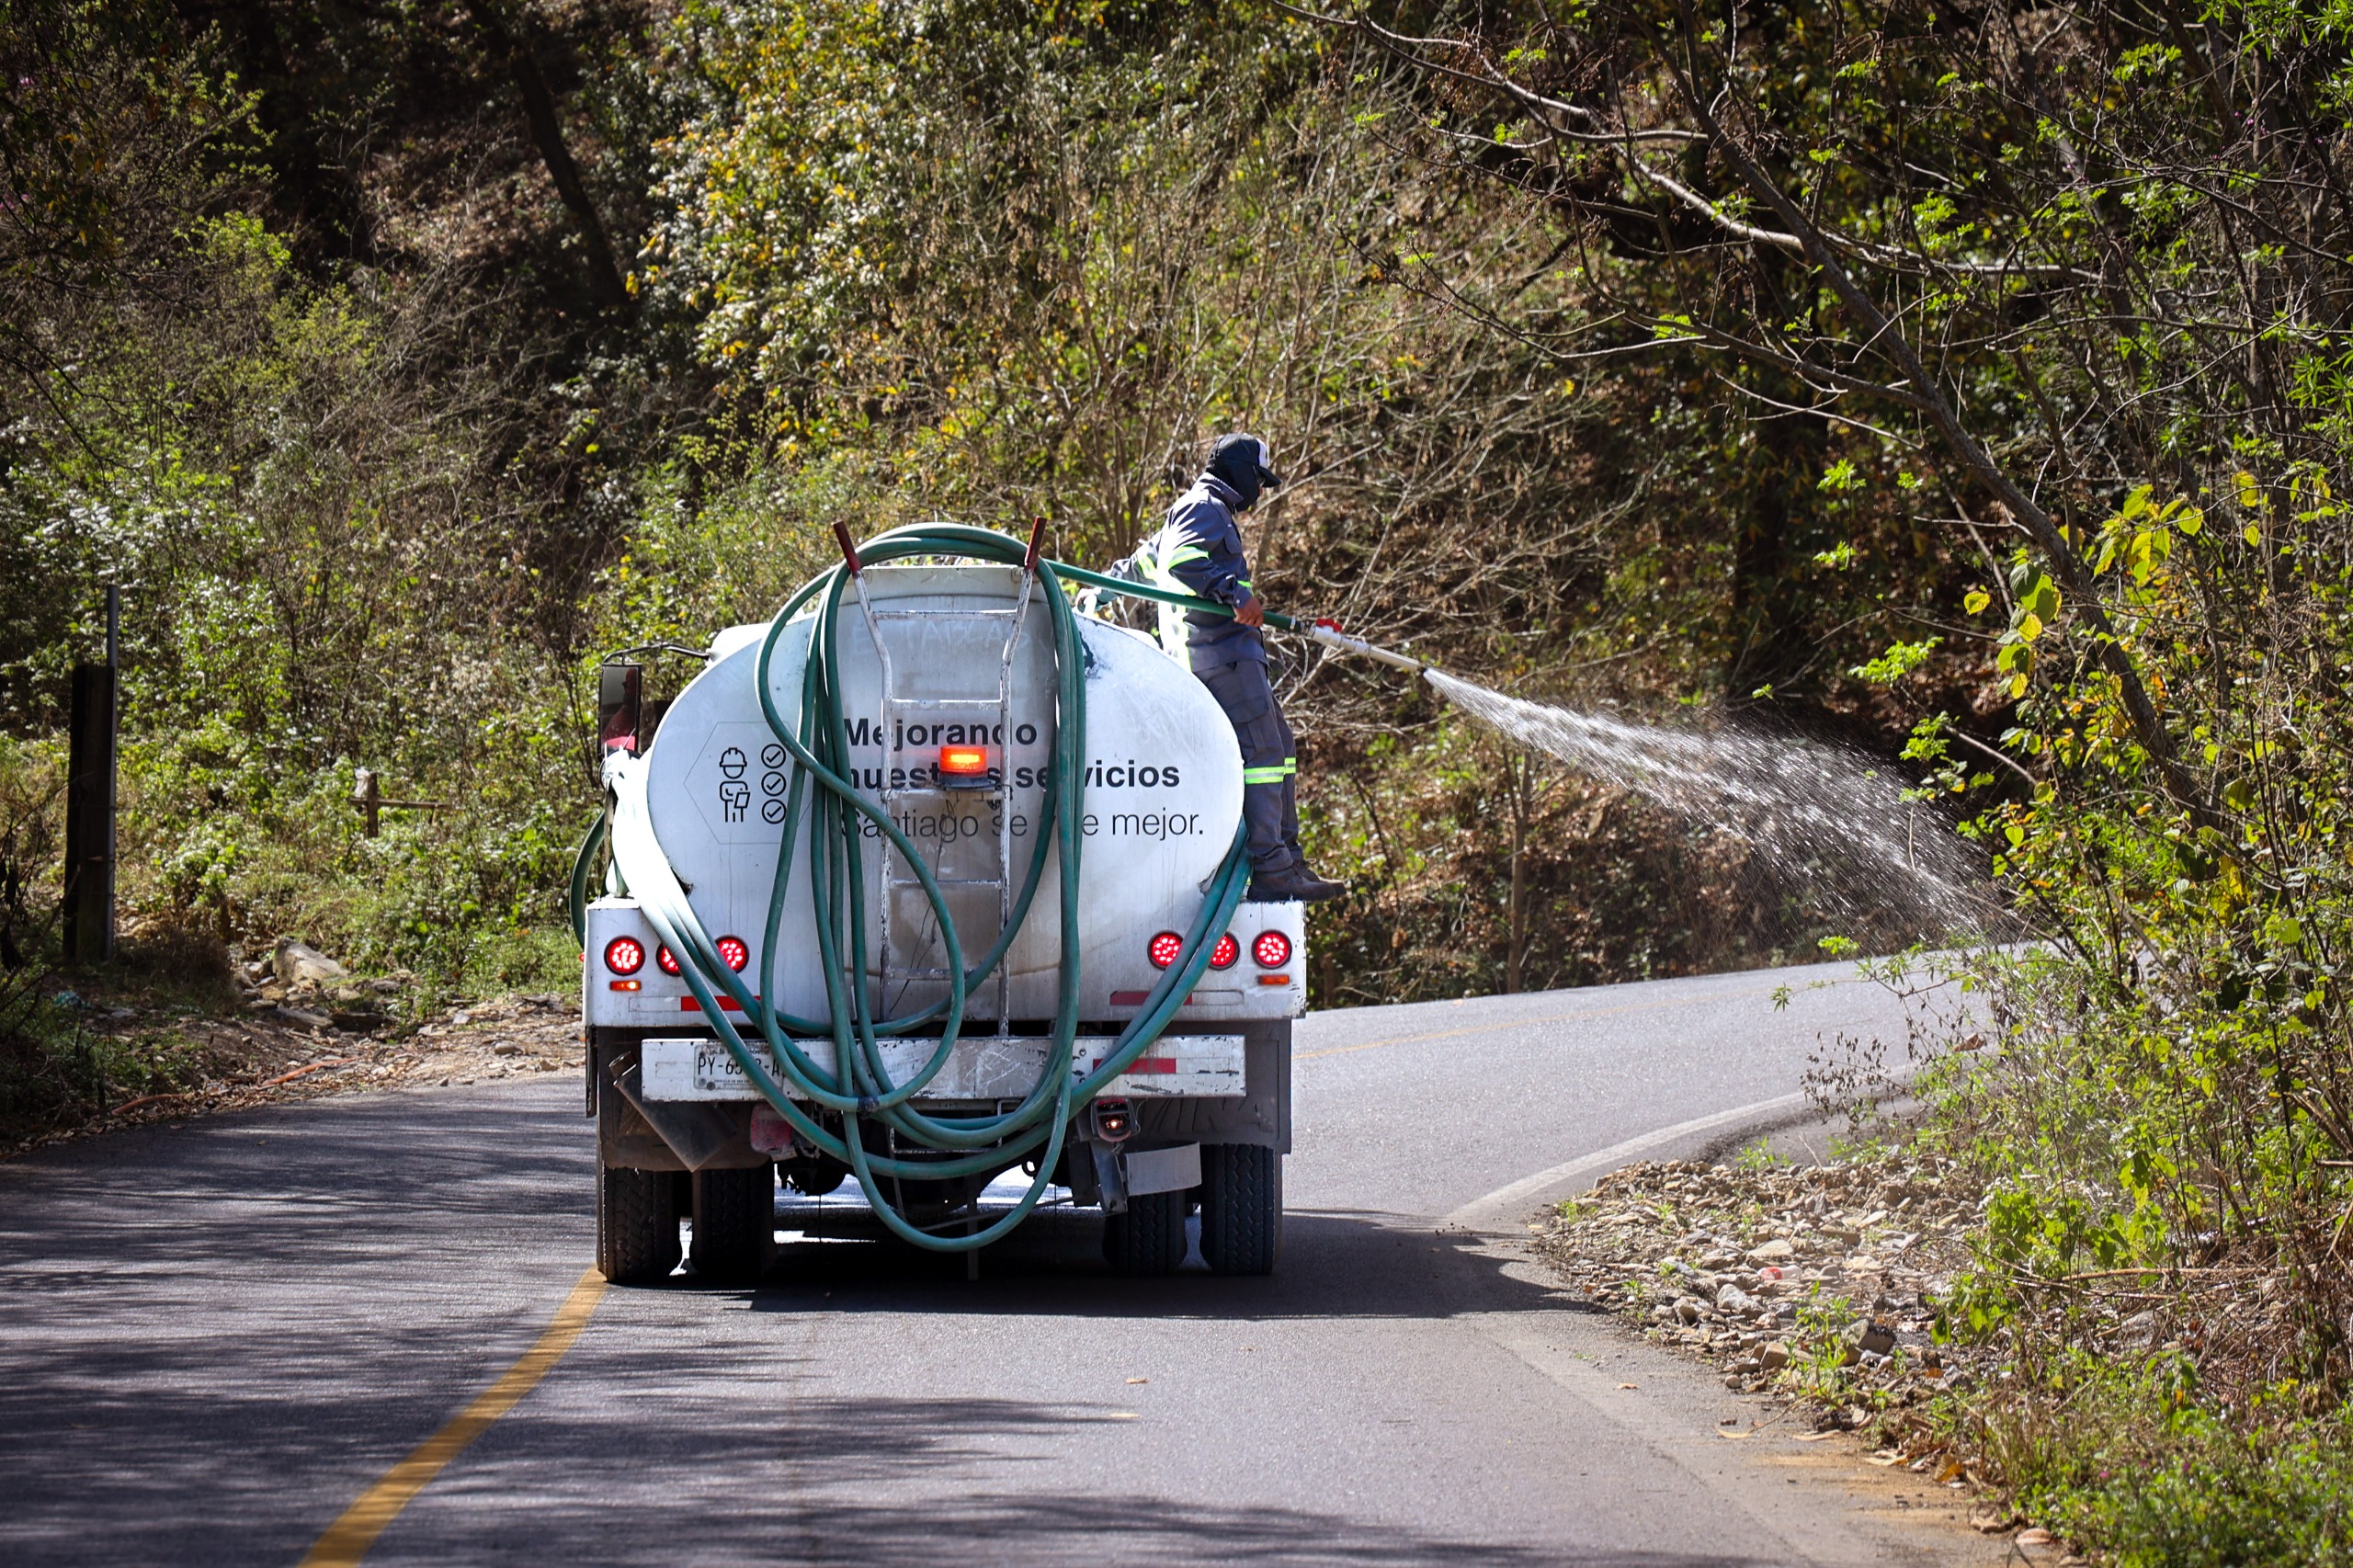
(859, 1088)
(1164, 595)
(583, 863)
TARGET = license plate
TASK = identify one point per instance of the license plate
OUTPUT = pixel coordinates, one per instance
(698, 1069)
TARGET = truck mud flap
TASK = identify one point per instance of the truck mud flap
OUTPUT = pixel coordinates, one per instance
(704, 1134)
(1162, 1170)
(1122, 1174)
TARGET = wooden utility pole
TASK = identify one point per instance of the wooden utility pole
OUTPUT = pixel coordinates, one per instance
(90, 800)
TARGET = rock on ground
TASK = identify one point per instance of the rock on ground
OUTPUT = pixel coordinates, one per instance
(1820, 1284)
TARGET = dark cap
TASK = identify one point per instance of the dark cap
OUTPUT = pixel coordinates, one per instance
(1245, 465)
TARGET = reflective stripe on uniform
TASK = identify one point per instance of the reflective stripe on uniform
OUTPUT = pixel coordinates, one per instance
(1174, 639)
(1271, 774)
(1291, 766)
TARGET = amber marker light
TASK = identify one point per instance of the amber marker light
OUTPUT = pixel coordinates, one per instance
(964, 765)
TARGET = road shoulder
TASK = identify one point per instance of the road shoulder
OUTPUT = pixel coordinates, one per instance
(1839, 1480)
(1814, 1497)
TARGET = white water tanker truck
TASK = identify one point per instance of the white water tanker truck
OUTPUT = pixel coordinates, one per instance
(927, 880)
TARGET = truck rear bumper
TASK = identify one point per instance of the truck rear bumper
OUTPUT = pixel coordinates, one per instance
(989, 1068)
(644, 1122)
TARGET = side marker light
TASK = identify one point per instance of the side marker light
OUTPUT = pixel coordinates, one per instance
(625, 984)
(1274, 980)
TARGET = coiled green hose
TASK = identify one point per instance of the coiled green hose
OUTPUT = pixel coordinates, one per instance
(860, 1090)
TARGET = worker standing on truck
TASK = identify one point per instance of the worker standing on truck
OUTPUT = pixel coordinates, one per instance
(1199, 552)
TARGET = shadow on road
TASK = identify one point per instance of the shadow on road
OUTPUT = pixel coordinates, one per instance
(212, 1335)
(1336, 1264)
(213, 1338)
(861, 1455)
(900, 1482)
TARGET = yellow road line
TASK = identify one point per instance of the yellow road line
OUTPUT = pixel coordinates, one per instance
(1529, 1023)
(348, 1538)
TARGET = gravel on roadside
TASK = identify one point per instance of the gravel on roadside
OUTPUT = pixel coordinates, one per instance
(303, 1043)
(1816, 1285)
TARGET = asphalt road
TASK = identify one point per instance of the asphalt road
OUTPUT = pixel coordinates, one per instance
(213, 1338)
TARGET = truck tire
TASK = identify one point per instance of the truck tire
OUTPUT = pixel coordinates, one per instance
(637, 1224)
(1242, 1207)
(1149, 1238)
(735, 1222)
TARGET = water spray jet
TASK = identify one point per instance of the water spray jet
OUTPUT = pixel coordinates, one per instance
(1830, 818)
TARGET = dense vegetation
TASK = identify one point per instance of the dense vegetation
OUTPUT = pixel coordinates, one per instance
(2073, 286)
(1969, 382)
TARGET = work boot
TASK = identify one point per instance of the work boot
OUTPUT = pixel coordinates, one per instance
(1317, 889)
(1290, 883)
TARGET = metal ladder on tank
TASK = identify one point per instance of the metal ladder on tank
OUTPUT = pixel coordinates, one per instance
(894, 710)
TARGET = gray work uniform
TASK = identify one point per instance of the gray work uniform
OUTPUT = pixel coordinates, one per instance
(1199, 552)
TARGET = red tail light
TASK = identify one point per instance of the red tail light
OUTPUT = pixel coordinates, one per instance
(624, 955)
(1271, 951)
(666, 960)
(1165, 949)
(1225, 952)
(735, 955)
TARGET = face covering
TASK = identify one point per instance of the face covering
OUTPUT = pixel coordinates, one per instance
(1240, 463)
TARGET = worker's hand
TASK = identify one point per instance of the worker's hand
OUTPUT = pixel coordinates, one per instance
(1251, 613)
